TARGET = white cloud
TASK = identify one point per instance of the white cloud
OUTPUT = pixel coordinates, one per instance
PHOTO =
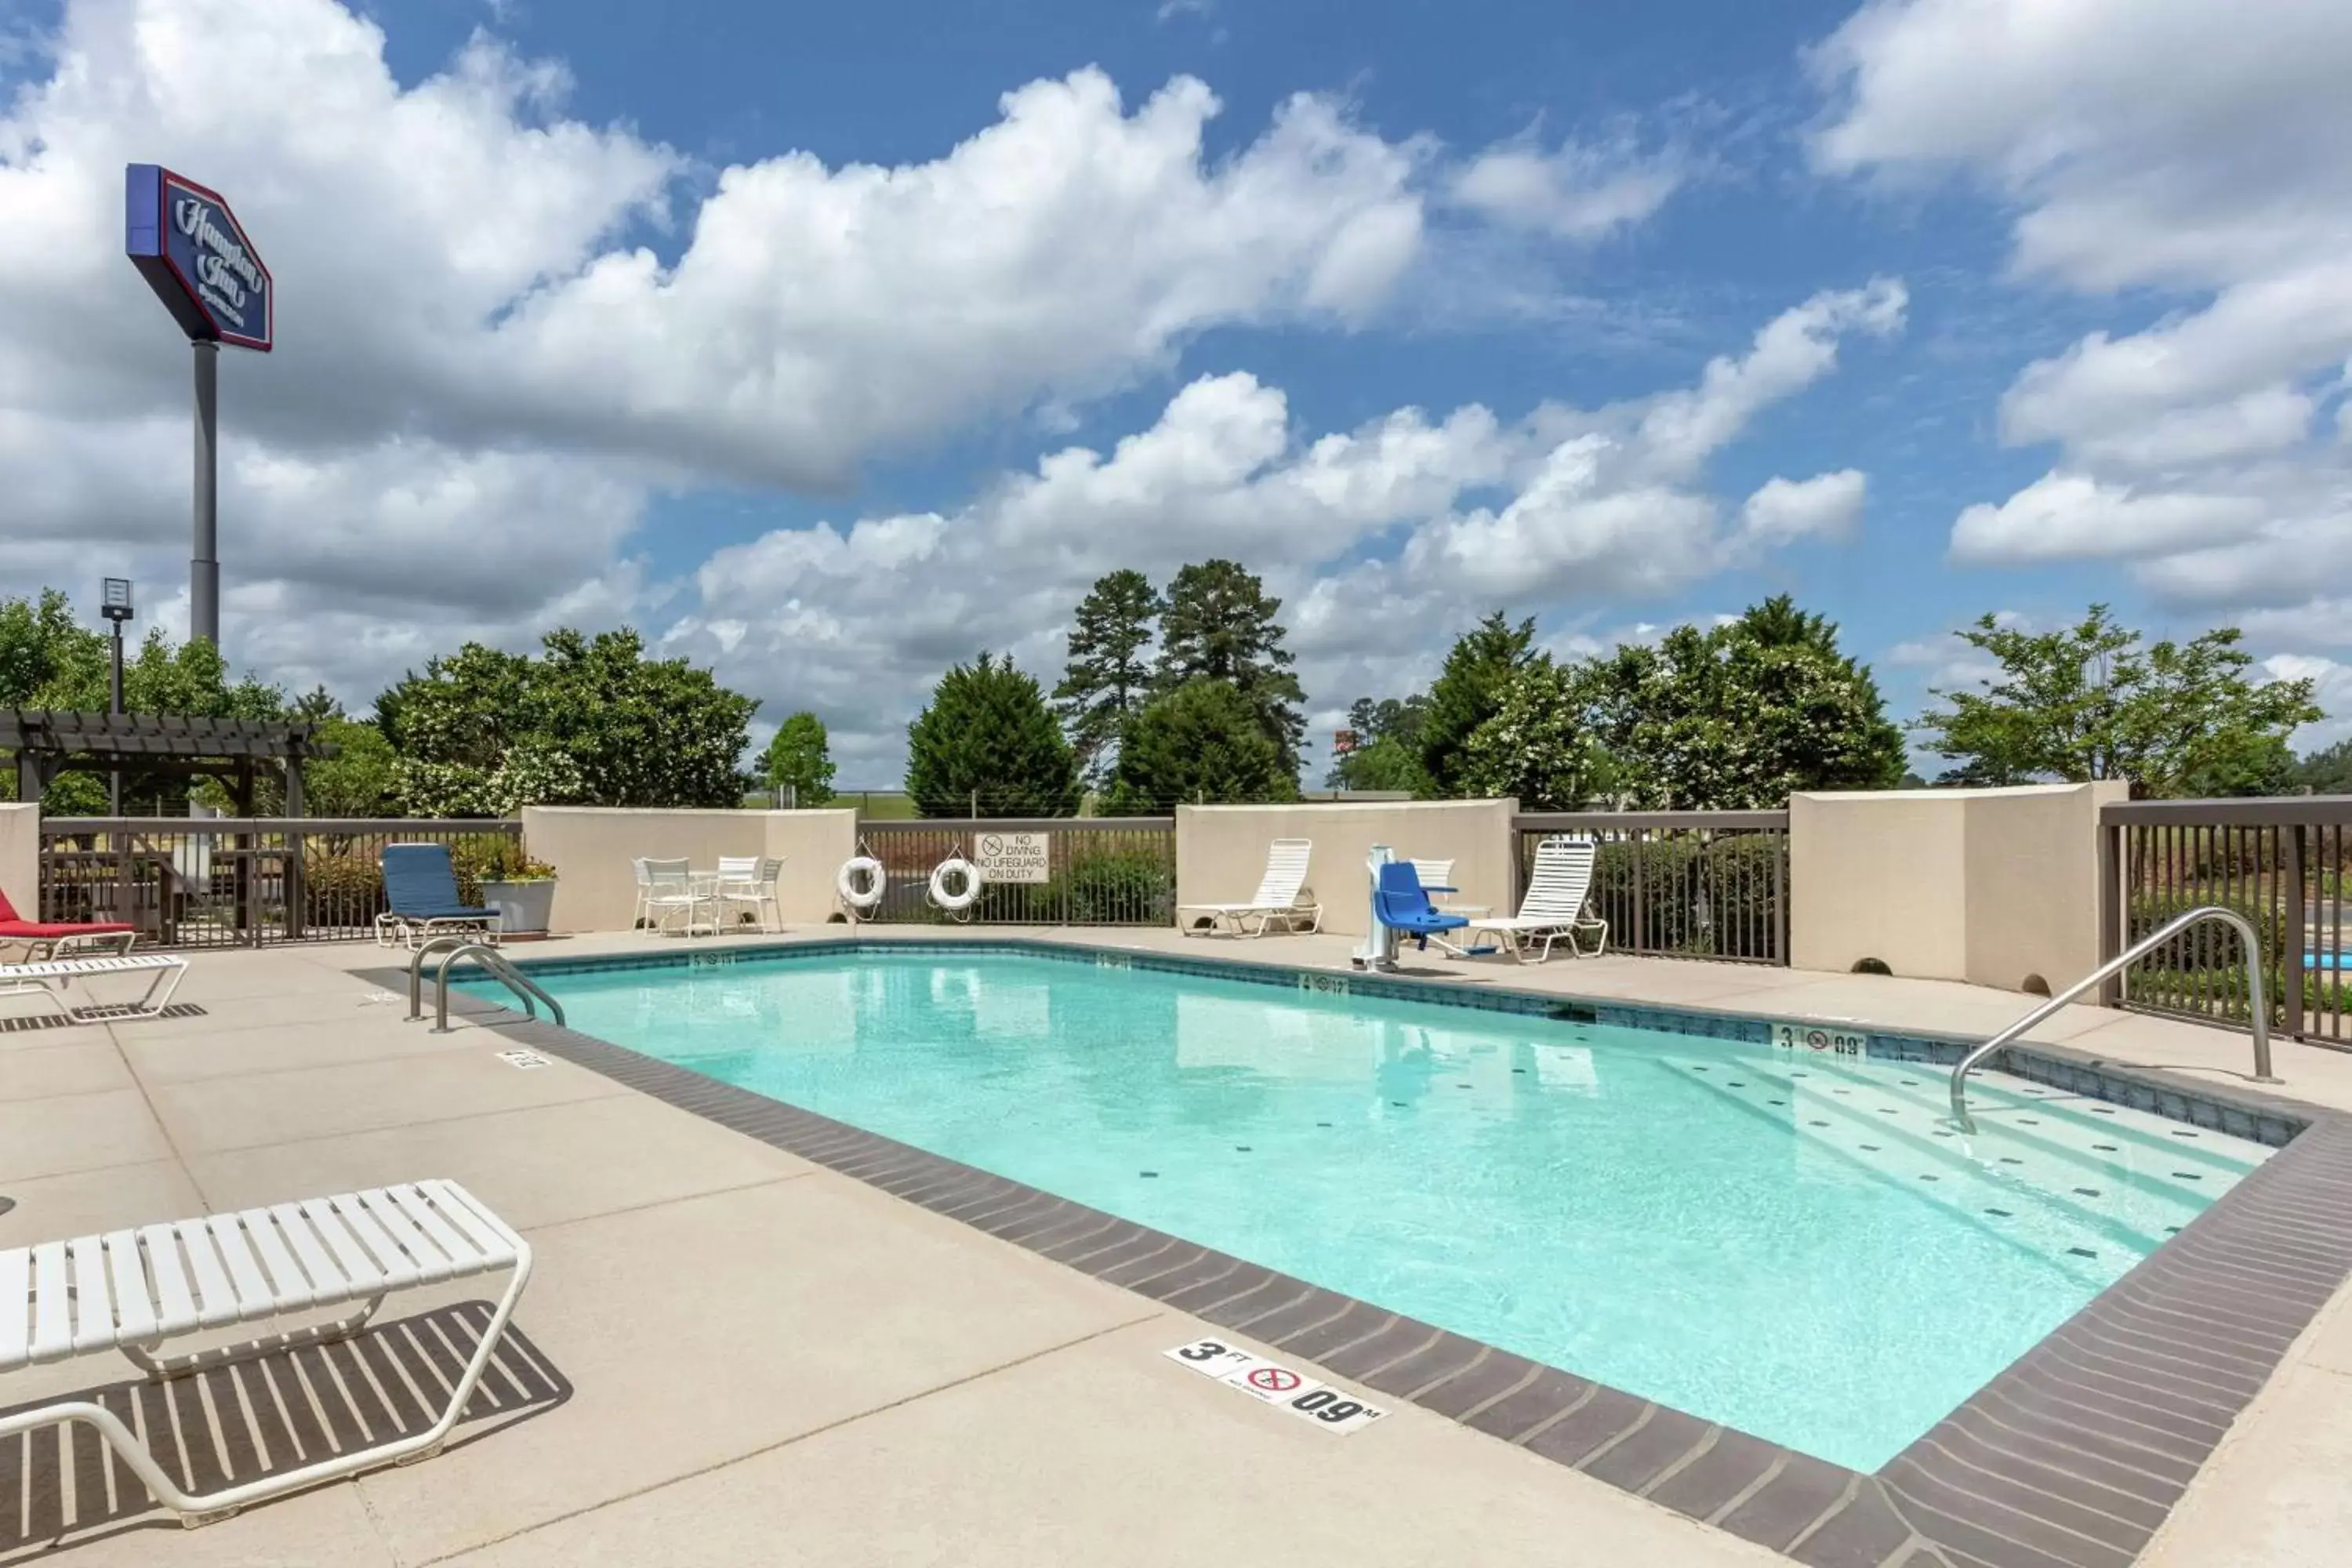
(1579, 191)
(505, 331)
(1827, 506)
(502, 329)
(2062, 517)
(1602, 504)
(2195, 149)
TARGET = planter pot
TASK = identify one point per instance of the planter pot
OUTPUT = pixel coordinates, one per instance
(523, 908)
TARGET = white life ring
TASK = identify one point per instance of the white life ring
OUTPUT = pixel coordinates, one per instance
(955, 866)
(861, 882)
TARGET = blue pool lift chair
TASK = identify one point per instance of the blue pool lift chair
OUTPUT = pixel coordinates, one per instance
(1401, 903)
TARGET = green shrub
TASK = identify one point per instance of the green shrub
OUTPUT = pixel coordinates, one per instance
(1715, 899)
(1119, 886)
(2201, 970)
(341, 888)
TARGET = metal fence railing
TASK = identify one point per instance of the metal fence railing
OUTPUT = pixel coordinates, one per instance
(1687, 884)
(1094, 871)
(237, 881)
(2282, 863)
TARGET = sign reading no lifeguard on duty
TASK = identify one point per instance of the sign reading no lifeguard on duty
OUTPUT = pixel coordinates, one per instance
(194, 255)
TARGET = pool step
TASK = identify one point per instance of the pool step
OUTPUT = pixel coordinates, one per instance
(2017, 1120)
(2085, 1221)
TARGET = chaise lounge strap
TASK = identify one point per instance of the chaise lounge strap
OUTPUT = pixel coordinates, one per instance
(133, 1287)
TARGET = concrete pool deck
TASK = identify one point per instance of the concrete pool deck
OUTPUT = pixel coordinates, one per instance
(772, 1362)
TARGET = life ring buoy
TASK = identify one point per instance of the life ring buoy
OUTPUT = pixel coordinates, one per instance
(957, 867)
(861, 882)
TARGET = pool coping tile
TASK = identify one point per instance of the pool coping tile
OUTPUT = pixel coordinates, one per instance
(2069, 1457)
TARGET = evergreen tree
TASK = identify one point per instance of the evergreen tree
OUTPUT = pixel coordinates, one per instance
(1202, 743)
(1469, 690)
(988, 745)
(1540, 748)
(1108, 678)
(800, 761)
(1740, 715)
(591, 721)
(1218, 624)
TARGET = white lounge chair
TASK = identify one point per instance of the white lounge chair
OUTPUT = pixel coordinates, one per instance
(1553, 906)
(132, 1290)
(749, 880)
(1278, 894)
(50, 979)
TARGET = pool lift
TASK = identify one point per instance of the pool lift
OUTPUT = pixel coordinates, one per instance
(1397, 913)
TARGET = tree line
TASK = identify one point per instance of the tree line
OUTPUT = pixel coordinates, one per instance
(1188, 693)
(1182, 696)
(588, 720)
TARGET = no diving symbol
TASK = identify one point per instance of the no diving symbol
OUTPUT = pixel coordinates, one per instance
(1818, 1039)
(1274, 1380)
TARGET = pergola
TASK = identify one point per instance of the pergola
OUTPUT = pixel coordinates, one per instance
(49, 742)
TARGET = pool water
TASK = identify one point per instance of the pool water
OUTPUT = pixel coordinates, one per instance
(1791, 1243)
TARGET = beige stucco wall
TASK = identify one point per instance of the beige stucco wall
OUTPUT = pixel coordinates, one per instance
(814, 844)
(20, 857)
(1989, 886)
(1221, 850)
(1878, 874)
(2033, 883)
(591, 850)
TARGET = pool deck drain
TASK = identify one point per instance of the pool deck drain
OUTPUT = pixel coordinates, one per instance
(2071, 1457)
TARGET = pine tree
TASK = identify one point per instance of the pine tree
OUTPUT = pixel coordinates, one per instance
(1204, 742)
(1107, 679)
(1468, 692)
(1218, 624)
(988, 745)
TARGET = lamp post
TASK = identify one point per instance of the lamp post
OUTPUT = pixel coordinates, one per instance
(115, 605)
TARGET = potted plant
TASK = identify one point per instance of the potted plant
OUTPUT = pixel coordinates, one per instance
(521, 889)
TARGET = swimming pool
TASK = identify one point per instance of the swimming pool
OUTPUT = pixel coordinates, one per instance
(1791, 1243)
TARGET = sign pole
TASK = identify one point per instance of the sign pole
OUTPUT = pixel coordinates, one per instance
(189, 246)
(203, 565)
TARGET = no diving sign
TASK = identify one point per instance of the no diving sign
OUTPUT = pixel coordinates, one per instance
(1014, 857)
(1329, 1408)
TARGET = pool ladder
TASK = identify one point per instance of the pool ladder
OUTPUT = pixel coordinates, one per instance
(2258, 1002)
(490, 959)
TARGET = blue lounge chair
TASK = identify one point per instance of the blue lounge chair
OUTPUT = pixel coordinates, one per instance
(421, 885)
(1402, 905)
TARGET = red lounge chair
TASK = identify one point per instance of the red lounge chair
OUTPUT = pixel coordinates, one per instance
(41, 939)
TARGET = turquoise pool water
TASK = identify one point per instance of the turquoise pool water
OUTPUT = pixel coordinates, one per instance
(1790, 1243)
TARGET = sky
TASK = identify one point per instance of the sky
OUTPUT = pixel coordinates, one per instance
(831, 346)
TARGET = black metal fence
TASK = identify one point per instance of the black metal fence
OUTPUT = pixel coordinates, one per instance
(2282, 863)
(238, 881)
(1089, 871)
(1686, 884)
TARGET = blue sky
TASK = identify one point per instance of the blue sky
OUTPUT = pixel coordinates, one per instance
(2056, 252)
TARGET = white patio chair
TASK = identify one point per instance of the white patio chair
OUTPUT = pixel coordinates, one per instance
(749, 880)
(1437, 876)
(1278, 894)
(1553, 906)
(50, 980)
(132, 1290)
(672, 895)
(641, 908)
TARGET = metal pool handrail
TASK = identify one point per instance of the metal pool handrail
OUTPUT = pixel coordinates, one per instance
(2260, 1002)
(424, 950)
(513, 979)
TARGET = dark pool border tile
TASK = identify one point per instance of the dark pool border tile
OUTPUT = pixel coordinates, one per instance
(1990, 1484)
